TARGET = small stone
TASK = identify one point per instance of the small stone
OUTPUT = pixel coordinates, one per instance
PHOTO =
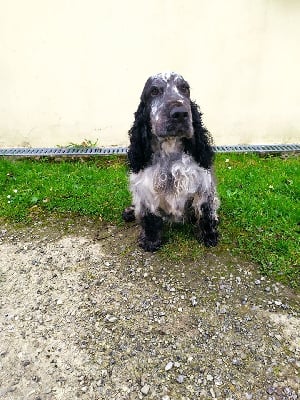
(25, 363)
(257, 282)
(236, 362)
(180, 378)
(125, 389)
(169, 366)
(111, 318)
(165, 397)
(59, 302)
(209, 377)
(145, 389)
(270, 390)
(218, 382)
(194, 301)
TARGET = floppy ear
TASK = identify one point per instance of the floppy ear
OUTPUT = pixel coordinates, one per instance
(200, 145)
(140, 152)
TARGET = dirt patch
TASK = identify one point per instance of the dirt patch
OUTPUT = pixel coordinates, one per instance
(86, 314)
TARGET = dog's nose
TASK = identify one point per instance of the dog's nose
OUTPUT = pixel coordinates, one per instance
(179, 113)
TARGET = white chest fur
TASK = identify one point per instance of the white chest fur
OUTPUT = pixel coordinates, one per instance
(164, 187)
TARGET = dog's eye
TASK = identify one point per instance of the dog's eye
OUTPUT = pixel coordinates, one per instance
(185, 89)
(154, 91)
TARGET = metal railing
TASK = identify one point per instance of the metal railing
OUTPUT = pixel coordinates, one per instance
(91, 151)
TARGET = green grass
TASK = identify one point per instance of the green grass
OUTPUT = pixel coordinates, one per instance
(259, 203)
(94, 188)
(260, 207)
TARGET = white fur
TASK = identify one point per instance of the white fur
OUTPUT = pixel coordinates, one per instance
(165, 76)
(165, 187)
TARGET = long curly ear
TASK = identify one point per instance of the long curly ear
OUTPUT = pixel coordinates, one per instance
(140, 152)
(200, 146)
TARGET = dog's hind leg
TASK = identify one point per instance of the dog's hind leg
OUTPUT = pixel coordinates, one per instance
(151, 234)
(129, 214)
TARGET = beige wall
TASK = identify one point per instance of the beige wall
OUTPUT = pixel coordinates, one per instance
(74, 69)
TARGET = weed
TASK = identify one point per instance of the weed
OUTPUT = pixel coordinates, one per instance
(83, 145)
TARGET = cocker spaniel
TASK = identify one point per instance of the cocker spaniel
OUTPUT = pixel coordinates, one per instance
(170, 160)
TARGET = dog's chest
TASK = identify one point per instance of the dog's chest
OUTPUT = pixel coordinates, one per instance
(172, 180)
(176, 174)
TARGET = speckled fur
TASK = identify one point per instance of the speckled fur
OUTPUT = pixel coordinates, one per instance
(170, 158)
(165, 186)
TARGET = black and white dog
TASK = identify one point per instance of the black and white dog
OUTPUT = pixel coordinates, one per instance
(170, 159)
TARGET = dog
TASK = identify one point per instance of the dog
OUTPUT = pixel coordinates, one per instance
(170, 159)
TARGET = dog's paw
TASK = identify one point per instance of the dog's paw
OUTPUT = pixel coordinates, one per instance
(149, 245)
(128, 214)
(211, 239)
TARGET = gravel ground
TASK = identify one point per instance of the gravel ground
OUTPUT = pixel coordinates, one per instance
(86, 314)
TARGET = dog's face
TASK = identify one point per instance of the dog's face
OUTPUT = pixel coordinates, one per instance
(167, 95)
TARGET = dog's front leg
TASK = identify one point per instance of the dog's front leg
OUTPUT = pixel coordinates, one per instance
(207, 226)
(151, 234)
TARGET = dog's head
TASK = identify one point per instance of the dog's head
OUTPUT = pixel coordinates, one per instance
(166, 111)
(167, 98)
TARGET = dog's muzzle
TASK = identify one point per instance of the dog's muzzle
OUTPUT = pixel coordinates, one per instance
(179, 114)
(179, 123)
